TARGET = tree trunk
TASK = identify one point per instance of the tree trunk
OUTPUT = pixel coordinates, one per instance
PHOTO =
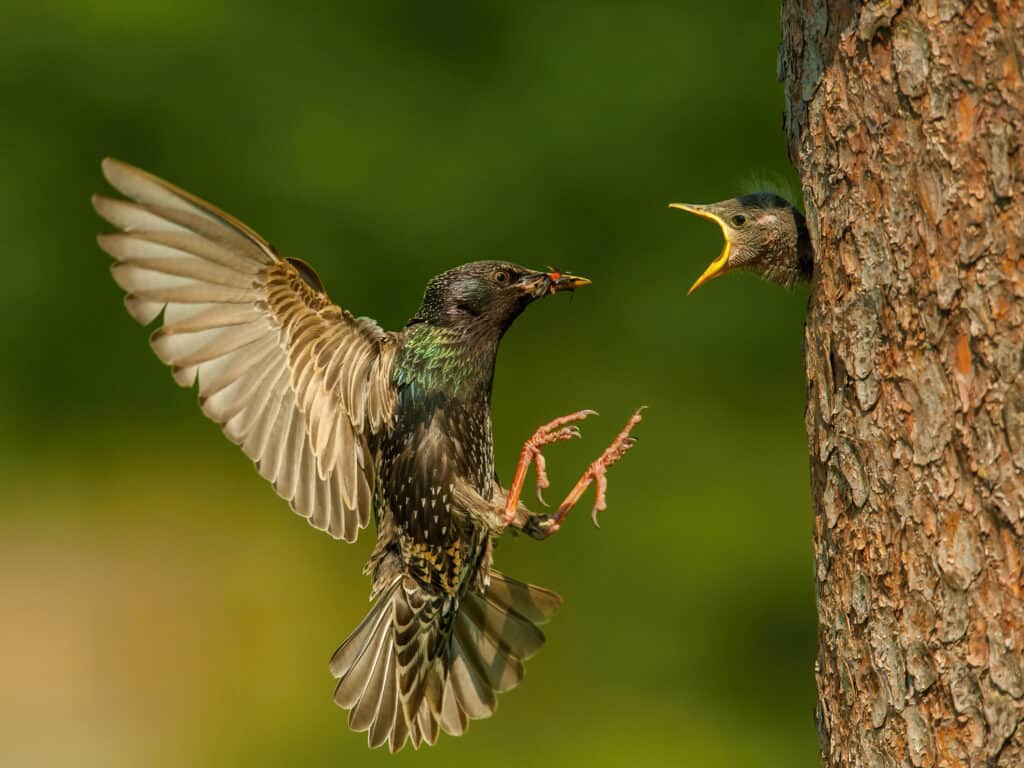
(905, 121)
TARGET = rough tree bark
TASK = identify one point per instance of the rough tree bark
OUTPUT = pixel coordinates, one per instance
(905, 121)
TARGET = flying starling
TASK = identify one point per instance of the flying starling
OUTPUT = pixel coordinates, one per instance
(346, 420)
(764, 234)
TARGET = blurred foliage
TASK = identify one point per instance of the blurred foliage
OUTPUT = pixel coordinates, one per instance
(161, 605)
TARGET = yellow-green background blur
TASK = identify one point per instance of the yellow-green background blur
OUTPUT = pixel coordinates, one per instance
(160, 606)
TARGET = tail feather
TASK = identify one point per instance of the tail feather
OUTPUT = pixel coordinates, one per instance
(422, 726)
(533, 603)
(384, 718)
(427, 721)
(510, 632)
(410, 670)
(502, 669)
(345, 658)
(370, 678)
(467, 680)
(453, 718)
(400, 731)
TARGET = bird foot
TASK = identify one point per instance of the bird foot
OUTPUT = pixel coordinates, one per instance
(556, 430)
(544, 526)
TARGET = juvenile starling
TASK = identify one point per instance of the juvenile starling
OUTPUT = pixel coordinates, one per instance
(346, 419)
(764, 234)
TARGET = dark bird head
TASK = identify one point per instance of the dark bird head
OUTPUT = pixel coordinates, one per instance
(486, 296)
(763, 232)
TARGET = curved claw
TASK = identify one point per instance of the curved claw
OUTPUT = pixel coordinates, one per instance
(622, 443)
(562, 428)
(542, 526)
(561, 421)
(596, 472)
(540, 464)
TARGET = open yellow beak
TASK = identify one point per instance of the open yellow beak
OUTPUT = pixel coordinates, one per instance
(716, 267)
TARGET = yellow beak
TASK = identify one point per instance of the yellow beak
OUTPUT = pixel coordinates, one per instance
(716, 267)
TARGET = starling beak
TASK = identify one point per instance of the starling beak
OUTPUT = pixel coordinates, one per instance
(349, 421)
(763, 233)
(540, 284)
(563, 282)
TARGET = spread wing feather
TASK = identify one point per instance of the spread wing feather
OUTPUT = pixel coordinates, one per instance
(299, 383)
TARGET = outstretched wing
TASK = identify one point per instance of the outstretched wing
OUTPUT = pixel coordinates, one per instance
(299, 383)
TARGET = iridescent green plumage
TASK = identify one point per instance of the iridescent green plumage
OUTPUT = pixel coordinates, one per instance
(434, 358)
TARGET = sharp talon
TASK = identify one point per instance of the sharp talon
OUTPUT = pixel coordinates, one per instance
(562, 428)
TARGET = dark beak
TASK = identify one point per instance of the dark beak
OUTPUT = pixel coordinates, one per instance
(563, 282)
(546, 283)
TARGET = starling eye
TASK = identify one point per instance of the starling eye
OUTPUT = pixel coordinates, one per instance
(501, 277)
(739, 220)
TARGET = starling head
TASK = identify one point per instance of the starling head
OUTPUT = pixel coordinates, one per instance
(488, 295)
(764, 233)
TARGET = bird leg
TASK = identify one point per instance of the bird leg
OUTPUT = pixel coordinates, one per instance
(542, 526)
(554, 431)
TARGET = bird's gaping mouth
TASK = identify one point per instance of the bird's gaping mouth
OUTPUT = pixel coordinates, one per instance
(716, 267)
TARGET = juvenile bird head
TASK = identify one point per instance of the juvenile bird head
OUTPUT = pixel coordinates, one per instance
(763, 232)
(488, 295)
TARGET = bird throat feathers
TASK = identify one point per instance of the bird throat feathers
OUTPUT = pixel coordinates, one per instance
(451, 361)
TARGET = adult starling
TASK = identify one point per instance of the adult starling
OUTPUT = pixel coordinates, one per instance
(764, 233)
(346, 419)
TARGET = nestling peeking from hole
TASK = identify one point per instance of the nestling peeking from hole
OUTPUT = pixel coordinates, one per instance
(764, 234)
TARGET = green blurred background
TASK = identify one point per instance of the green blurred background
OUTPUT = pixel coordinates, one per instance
(161, 606)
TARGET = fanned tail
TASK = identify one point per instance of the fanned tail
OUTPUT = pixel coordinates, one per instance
(411, 668)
